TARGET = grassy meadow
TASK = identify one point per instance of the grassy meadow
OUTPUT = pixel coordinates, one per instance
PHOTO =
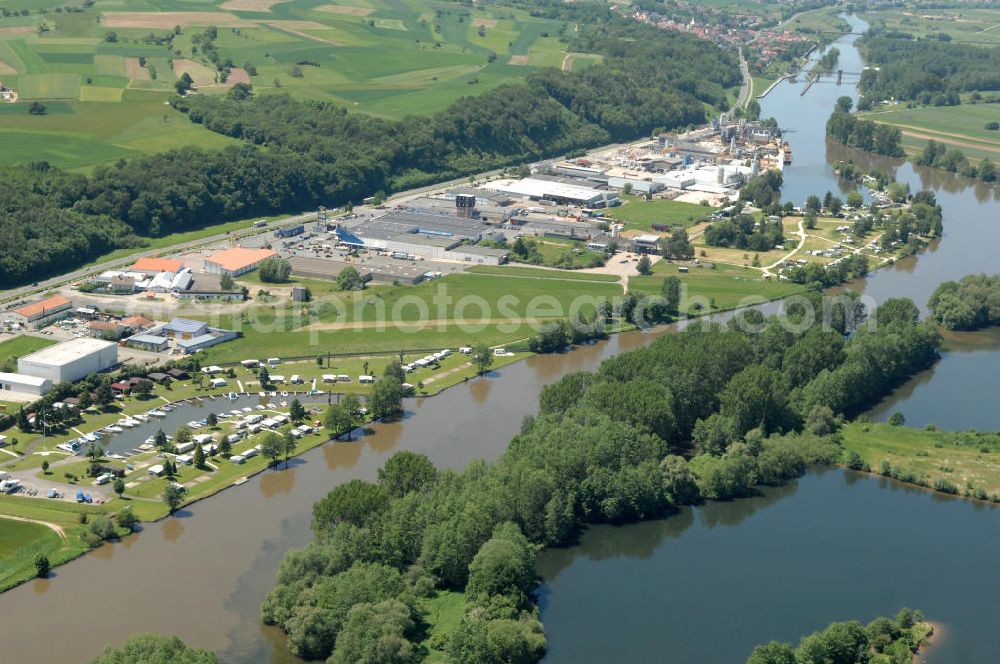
(962, 127)
(640, 215)
(967, 460)
(719, 288)
(496, 309)
(968, 24)
(105, 73)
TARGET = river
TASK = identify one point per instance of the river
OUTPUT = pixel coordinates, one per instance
(708, 584)
(203, 574)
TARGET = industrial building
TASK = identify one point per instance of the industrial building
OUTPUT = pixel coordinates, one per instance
(189, 336)
(208, 288)
(151, 266)
(70, 361)
(22, 384)
(127, 282)
(148, 342)
(409, 232)
(181, 328)
(646, 244)
(39, 314)
(558, 192)
(236, 261)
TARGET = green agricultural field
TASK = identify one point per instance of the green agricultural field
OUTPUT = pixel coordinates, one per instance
(99, 130)
(111, 63)
(962, 127)
(965, 459)
(968, 24)
(726, 286)
(817, 21)
(640, 215)
(49, 86)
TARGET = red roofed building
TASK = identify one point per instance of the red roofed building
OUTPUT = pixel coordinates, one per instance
(137, 323)
(236, 261)
(155, 265)
(39, 314)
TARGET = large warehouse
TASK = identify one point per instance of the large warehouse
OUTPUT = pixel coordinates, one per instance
(70, 361)
(236, 261)
(558, 192)
(425, 234)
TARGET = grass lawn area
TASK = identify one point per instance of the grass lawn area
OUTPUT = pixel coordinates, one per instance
(444, 613)
(727, 286)
(815, 244)
(640, 214)
(495, 310)
(742, 257)
(963, 127)
(20, 541)
(966, 459)
(518, 271)
(564, 253)
(22, 345)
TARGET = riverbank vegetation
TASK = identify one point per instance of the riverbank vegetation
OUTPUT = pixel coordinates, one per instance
(863, 134)
(965, 463)
(968, 304)
(155, 649)
(882, 641)
(953, 160)
(607, 447)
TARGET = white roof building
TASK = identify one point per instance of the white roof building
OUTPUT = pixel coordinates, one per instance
(559, 192)
(22, 384)
(70, 361)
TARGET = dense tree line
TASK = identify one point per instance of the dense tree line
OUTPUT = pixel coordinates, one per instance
(954, 160)
(882, 641)
(968, 304)
(752, 402)
(928, 71)
(300, 154)
(864, 134)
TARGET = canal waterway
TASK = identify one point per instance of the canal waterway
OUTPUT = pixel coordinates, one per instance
(774, 567)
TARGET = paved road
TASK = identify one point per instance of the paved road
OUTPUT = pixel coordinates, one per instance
(128, 260)
(744, 97)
